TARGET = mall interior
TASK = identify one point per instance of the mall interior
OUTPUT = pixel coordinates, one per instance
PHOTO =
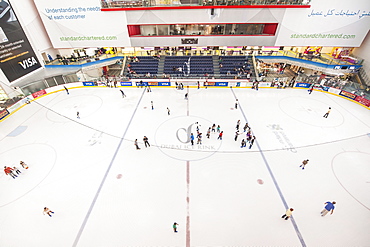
(47, 44)
(84, 84)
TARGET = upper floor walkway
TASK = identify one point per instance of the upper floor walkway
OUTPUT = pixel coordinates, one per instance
(108, 5)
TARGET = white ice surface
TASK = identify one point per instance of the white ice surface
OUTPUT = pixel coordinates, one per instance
(74, 163)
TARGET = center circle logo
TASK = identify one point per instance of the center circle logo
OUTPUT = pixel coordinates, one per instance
(174, 138)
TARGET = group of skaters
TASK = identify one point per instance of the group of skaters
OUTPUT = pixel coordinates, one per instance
(146, 143)
(250, 138)
(14, 172)
(329, 206)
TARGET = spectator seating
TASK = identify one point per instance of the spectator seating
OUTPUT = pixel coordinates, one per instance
(143, 65)
(188, 65)
(231, 66)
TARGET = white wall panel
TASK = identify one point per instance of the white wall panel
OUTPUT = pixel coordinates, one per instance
(72, 23)
(204, 16)
(326, 23)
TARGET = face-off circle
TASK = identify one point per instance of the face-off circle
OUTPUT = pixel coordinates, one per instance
(173, 138)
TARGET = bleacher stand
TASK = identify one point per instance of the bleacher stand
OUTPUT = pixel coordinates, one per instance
(235, 66)
(142, 66)
(188, 66)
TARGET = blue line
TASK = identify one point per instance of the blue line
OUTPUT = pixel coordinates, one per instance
(273, 179)
(105, 177)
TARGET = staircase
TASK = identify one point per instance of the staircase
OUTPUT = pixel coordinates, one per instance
(161, 66)
(252, 68)
(216, 66)
(364, 79)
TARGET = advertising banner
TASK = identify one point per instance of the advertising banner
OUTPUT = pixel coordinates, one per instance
(348, 95)
(125, 83)
(16, 106)
(38, 94)
(154, 83)
(326, 23)
(221, 84)
(363, 101)
(17, 57)
(4, 113)
(302, 84)
(164, 83)
(88, 83)
(81, 23)
(217, 84)
(334, 90)
(264, 84)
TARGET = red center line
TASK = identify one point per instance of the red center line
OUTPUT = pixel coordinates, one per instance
(187, 184)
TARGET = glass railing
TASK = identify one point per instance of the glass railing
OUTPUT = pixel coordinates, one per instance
(105, 4)
(73, 60)
(324, 58)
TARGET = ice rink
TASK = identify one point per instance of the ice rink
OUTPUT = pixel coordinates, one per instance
(105, 193)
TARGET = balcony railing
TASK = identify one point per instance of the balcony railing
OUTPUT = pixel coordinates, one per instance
(107, 4)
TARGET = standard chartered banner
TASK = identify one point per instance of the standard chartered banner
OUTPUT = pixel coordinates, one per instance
(326, 23)
(80, 23)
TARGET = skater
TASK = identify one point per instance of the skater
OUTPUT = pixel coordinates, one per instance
(198, 85)
(243, 144)
(78, 115)
(175, 227)
(151, 102)
(251, 142)
(246, 126)
(186, 96)
(136, 145)
(145, 139)
(199, 136)
(327, 113)
(236, 104)
(192, 139)
(66, 90)
(304, 163)
(123, 94)
(9, 171)
(237, 125)
(23, 165)
(310, 90)
(214, 128)
(220, 135)
(329, 207)
(168, 111)
(218, 128)
(47, 211)
(256, 85)
(149, 90)
(236, 135)
(249, 135)
(287, 214)
(17, 171)
(208, 132)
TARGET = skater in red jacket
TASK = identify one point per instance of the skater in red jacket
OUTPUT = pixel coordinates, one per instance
(9, 171)
(220, 135)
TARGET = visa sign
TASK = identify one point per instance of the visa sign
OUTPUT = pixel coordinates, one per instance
(29, 62)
